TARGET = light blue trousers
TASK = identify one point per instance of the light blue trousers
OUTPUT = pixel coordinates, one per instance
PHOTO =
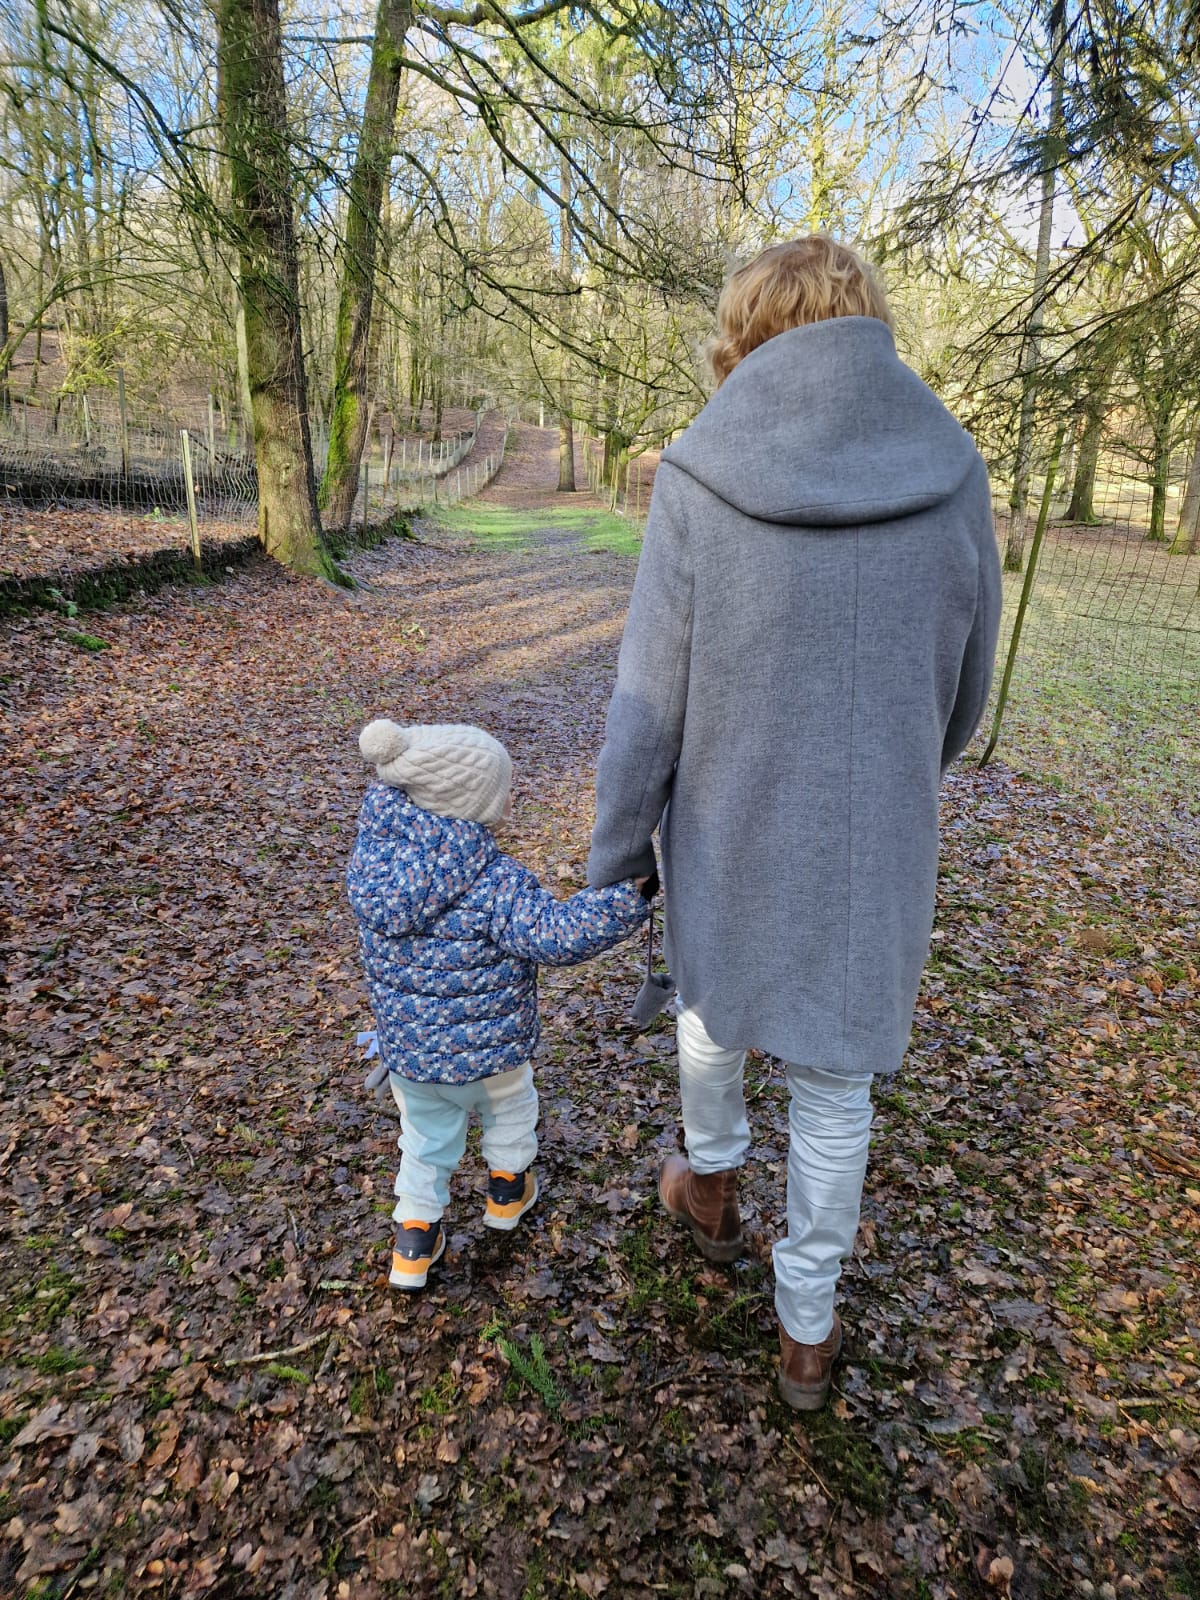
(830, 1126)
(433, 1134)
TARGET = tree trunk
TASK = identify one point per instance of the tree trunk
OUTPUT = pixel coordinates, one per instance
(253, 114)
(1157, 533)
(566, 440)
(372, 163)
(1187, 533)
(5, 403)
(566, 429)
(1066, 467)
(1081, 508)
(245, 403)
(1014, 553)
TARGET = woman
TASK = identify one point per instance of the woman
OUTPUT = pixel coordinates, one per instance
(809, 646)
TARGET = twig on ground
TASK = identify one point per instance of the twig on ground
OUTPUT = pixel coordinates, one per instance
(277, 1355)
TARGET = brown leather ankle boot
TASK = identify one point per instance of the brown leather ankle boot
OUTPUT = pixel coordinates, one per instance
(806, 1370)
(708, 1202)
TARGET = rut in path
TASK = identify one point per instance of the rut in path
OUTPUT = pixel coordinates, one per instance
(522, 640)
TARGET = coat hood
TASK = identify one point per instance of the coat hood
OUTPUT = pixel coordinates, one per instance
(825, 426)
(410, 865)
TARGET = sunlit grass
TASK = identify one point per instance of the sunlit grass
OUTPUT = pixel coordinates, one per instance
(491, 525)
(1105, 694)
(502, 529)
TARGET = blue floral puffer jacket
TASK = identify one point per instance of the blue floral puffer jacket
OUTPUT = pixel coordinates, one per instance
(451, 931)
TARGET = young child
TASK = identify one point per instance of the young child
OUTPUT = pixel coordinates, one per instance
(451, 931)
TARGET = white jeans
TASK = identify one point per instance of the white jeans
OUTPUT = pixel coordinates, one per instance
(830, 1126)
(433, 1134)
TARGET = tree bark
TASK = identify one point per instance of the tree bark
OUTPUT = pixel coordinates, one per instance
(1157, 533)
(1187, 532)
(5, 403)
(1081, 508)
(1014, 553)
(372, 163)
(566, 429)
(245, 403)
(253, 114)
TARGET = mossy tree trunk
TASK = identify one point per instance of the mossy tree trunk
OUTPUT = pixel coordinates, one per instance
(1187, 533)
(360, 246)
(1083, 490)
(1160, 474)
(253, 116)
(4, 400)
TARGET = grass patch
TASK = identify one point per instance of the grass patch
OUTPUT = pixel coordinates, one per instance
(489, 525)
(501, 529)
(600, 530)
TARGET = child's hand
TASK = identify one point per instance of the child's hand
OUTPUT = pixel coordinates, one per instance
(648, 885)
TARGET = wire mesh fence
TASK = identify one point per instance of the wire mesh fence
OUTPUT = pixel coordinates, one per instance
(1103, 656)
(84, 519)
(402, 476)
(626, 484)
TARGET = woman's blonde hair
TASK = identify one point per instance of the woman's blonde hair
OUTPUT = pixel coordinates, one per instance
(788, 285)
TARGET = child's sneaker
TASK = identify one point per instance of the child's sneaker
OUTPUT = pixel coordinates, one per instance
(509, 1197)
(418, 1245)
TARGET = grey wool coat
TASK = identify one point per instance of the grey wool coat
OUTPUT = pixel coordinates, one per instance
(809, 645)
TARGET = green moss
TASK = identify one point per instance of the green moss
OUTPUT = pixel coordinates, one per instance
(42, 1304)
(845, 1458)
(277, 1369)
(105, 586)
(441, 1396)
(54, 1361)
(85, 641)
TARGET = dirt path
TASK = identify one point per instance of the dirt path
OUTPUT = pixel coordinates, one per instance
(208, 1387)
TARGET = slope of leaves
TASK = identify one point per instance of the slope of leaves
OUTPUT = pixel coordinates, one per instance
(209, 1389)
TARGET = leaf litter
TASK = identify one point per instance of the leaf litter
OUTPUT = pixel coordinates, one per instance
(209, 1389)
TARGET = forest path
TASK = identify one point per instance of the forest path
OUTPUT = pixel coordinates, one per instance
(209, 1386)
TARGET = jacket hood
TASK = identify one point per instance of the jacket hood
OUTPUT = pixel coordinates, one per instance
(410, 865)
(825, 426)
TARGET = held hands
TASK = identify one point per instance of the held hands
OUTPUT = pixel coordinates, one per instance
(377, 1079)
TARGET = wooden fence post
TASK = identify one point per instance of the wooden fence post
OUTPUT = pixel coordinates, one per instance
(1026, 590)
(191, 497)
(124, 422)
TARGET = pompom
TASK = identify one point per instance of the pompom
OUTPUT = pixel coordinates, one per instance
(382, 741)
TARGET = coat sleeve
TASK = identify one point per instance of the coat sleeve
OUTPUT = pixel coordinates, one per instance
(643, 733)
(529, 922)
(975, 676)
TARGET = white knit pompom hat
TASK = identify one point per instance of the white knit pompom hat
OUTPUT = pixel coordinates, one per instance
(452, 770)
